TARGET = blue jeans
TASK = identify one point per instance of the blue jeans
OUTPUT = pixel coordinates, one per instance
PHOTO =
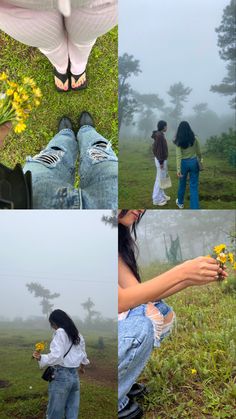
(136, 341)
(64, 394)
(53, 172)
(189, 166)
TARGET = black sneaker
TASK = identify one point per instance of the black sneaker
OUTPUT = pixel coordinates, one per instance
(65, 123)
(137, 390)
(131, 411)
(86, 118)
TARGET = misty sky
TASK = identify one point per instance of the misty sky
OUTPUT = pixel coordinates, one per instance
(70, 252)
(175, 41)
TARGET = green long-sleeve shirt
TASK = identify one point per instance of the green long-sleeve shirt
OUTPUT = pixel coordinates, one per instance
(187, 153)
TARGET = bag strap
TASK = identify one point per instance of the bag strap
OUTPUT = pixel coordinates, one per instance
(68, 350)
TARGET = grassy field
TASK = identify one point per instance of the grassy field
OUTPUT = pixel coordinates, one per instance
(137, 174)
(100, 98)
(193, 374)
(23, 394)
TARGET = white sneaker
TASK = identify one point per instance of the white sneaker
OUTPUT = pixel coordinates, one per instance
(181, 206)
(160, 204)
(167, 198)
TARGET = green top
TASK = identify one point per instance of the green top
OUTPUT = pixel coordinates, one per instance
(187, 153)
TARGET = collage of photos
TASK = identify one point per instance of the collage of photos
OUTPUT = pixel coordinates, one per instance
(118, 159)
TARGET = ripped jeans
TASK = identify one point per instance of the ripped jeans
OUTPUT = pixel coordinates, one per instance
(53, 172)
(138, 334)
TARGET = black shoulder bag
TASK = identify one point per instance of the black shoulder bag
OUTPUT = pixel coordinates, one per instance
(49, 373)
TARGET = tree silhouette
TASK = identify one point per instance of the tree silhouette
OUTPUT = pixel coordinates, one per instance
(227, 44)
(178, 94)
(87, 306)
(200, 108)
(110, 219)
(128, 106)
(45, 294)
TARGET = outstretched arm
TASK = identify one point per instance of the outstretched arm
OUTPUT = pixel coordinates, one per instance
(199, 271)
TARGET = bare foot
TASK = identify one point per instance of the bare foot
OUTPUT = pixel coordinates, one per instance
(61, 85)
(78, 83)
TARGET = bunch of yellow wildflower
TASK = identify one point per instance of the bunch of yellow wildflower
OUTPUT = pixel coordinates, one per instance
(222, 255)
(17, 101)
(40, 346)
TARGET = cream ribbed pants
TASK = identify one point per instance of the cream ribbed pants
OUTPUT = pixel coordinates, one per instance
(60, 38)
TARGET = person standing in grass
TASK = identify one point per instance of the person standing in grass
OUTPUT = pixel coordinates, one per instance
(144, 318)
(67, 354)
(63, 30)
(188, 158)
(160, 151)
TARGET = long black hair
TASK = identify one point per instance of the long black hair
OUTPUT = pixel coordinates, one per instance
(126, 244)
(185, 137)
(60, 319)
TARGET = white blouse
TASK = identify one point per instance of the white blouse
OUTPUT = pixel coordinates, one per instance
(58, 348)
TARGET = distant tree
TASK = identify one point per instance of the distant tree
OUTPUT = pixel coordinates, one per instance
(146, 123)
(87, 306)
(200, 108)
(227, 44)
(45, 294)
(110, 219)
(178, 94)
(128, 106)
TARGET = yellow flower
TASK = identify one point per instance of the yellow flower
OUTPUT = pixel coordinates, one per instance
(234, 265)
(12, 84)
(218, 249)
(193, 371)
(222, 257)
(37, 92)
(24, 97)
(19, 127)
(231, 257)
(9, 92)
(40, 346)
(3, 76)
(29, 81)
(15, 105)
(17, 98)
(37, 102)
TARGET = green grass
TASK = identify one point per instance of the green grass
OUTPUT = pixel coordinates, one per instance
(100, 98)
(19, 400)
(137, 174)
(204, 339)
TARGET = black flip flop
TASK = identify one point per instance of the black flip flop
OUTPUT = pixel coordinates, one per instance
(77, 77)
(63, 78)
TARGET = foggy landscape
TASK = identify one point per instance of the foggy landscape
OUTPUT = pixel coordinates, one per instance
(175, 42)
(198, 233)
(70, 253)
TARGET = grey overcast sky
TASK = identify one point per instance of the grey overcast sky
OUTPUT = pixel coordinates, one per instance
(175, 41)
(70, 252)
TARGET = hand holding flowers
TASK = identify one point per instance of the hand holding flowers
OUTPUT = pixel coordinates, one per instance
(39, 347)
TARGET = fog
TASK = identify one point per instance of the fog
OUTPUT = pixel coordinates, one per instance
(198, 232)
(69, 252)
(175, 41)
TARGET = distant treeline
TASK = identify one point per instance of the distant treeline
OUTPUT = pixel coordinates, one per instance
(30, 323)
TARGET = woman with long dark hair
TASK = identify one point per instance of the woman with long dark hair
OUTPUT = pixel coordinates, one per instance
(67, 354)
(144, 318)
(188, 155)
